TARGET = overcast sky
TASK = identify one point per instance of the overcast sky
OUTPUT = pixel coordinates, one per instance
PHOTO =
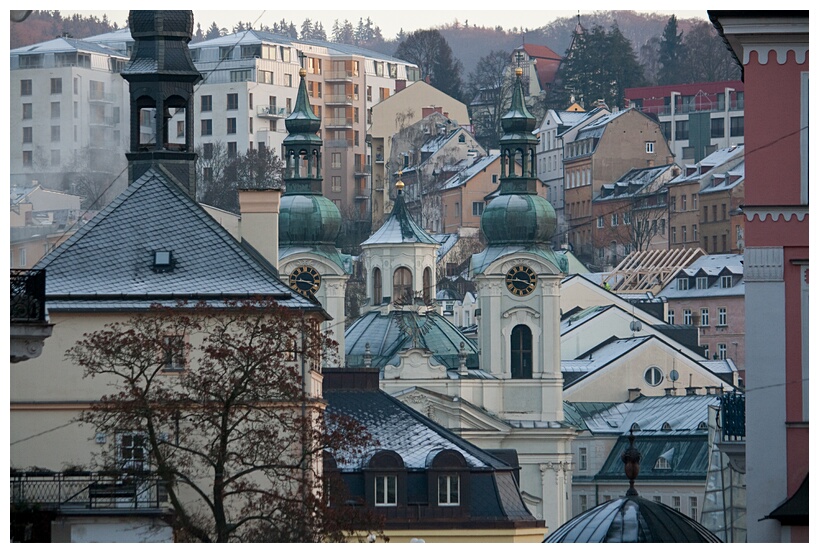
(412, 15)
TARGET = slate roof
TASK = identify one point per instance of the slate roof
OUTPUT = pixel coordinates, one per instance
(711, 163)
(494, 494)
(687, 455)
(711, 266)
(109, 261)
(684, 414)
(464, 176)
(66, 45)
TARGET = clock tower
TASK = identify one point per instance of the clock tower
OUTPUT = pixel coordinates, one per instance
(309, 223)
(518, 275)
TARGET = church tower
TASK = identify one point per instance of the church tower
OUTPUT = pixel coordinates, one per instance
(518, 276)
(161, 76)
(309, 223)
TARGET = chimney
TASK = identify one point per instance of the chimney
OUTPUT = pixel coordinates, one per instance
(669, 160)
(400, 84)
(669, 391)
(650, 163)
(634, 394)
(691, 390)
(259, 223)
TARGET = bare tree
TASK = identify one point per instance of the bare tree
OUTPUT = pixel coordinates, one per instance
(213, 401)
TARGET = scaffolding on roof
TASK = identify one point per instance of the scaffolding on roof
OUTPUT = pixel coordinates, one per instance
(650, 270)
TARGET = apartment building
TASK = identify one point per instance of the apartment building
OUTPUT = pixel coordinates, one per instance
(409, 104)
(557, 128)
(696, 118)
(68, 113)
(600, 153)
(704, 200)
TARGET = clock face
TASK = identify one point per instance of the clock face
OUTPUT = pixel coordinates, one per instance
(305, 279)
(521, 280)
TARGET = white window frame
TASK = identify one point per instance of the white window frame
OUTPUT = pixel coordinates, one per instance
(676, 503)
(174, 362)
(600, 221)
(449, 488)
(704, 318)
(722, 351)
(688, 317)
(722, 316)
(726, 281)
(649, 147)
(653, 376)
(125, 454)
(702, 283)
(682, 283)
(583, 458)
(384, 484)
(671, 316)
(693, 508)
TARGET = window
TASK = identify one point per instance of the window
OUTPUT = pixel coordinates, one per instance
(600, 222)
(713, 244)
(684, 230)
(693, 512)
(386, 491)
(336, 184)
(672, 203)
(132, 451)
(653, 376)
(726, 281)
(583, 503)
(687, 318)
(627, 218)
(722, 316)
(738, 126)
(682, 283)
(56, 85)
(233, 101)
(55, 133)
(240, 75)
(673, 235)
(675, 503)
(173, 352)
(662, 464)
(231, 125)
(250, 125)
(457, 209)
(704, 320)
(702, 283)
(649, 147)
(206, 103)
(717, 128)
(21, 256)
(207, 174)
(288, 79)
(207, 150)
(724, 212)
(657, 499)
(27, 111)
(671, 316)
(681, 130)
(231, 149)
(477, 208)
(55, 110)
(705, 350)
(207, 127)
(28, 134)
(449, 493)
(25, 87)
(180, 129)
(402, 284)
(683, 202)
(335, 160)
(521, 350)
(614, 219)
(377, 296)
(28, 158)
(694, 199)
(694, 235)
(722, 351)
(583, 458)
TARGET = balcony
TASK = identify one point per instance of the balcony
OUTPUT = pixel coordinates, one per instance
(272, 112)
(101, 97)
(345, 75)
(84, 492)
(731, 429)
(338, 143)
(338, 99)
(361, 169)
(339, 122)
(379, 159)
(29, 328)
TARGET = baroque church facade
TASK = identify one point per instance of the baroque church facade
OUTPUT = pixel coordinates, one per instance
(504, 392)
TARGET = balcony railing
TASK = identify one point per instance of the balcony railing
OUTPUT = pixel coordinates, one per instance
(271, 111)
(346, 99)
(345, 75)
(101, 97)
(697, 108)
(86, 490)
(732, 417)
(338, 122)
(28, 295)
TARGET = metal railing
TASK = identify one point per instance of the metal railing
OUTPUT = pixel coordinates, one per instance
(87, 490)
(732, 417)
(28, 295)
(271, 111)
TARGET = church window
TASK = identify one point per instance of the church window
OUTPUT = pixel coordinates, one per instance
(402, 284)
(427, 285)
(521, 352)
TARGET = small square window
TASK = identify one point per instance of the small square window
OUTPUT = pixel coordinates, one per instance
(163, 261)
(649, 147)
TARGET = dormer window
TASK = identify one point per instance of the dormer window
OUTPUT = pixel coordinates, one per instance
(702, 283)
(682, 283)
(662, 464)
(726, 281)
(163, 261)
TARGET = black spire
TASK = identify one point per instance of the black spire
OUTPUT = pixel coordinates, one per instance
(518, 145)
(161, 76)
(302, 147)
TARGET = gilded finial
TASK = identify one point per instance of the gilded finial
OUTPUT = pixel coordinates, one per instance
(302, 72)
(399, 183)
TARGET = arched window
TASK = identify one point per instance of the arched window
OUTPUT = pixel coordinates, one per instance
(402, 284)
(427, 285)
(377, 294)
(521, 347)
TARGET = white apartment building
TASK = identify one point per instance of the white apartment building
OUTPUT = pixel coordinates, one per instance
(68, 112)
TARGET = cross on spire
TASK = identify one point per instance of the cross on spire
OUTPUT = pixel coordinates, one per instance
(302, 57)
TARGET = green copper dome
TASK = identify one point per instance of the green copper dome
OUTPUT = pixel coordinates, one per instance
(308, 220)
(518, 219)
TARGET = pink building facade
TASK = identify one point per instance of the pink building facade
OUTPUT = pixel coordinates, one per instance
(773, 50)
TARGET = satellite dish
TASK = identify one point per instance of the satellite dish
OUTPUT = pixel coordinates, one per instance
(673, 375)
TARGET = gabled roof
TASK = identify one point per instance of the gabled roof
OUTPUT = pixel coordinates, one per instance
(686, 414)
(108, 262)
(66, 45)
(712, 266)
(713, 163)
(686, 455)
(467, 174)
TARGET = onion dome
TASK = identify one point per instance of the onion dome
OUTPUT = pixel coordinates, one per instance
(518, 219)
(632, 519)
(306, 217)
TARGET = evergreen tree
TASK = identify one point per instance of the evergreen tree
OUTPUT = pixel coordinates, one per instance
(306, 29)
(431, 53)
(213, 31)
(672, 54)
(347, 35)
(199, 35)
(292, 32)
(318, 31)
